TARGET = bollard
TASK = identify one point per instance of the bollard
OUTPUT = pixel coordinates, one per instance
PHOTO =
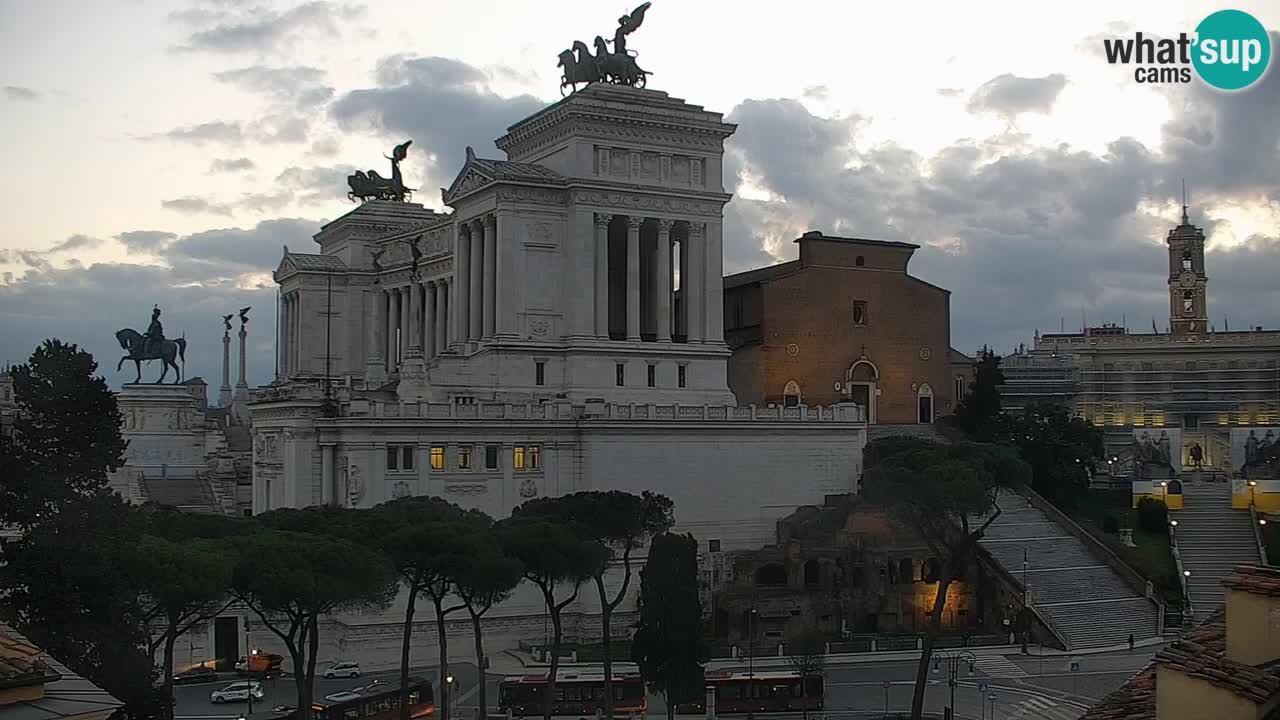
(711, 702)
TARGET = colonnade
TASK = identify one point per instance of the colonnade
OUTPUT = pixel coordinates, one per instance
(412, 318)
(636, 267)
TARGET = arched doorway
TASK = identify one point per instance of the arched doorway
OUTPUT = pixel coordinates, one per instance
(863, 381)
(924, 398)
(791, 394)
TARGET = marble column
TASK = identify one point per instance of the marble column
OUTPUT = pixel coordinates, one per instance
(327, 489)
(282, 340)
(633, 277)
(713, 291)
(406, 324)
(242, 383)
(462, 283)
(393, 329)
(224, 392)
(662, 288)
(415, 318)
(696, 293)
(490, 275)
(375, 363)
(295, 332)
(475, 294)
(443, 331)
(602, 275)
(429, 320)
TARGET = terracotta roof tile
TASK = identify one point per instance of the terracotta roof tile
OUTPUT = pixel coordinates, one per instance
(20, 660)
(1134, 700)
(1255, 579)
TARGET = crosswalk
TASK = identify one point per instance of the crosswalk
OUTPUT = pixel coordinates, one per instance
(1041, 709)
(999, 666)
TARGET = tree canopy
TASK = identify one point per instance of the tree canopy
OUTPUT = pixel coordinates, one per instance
(979, 413)
(668, 644)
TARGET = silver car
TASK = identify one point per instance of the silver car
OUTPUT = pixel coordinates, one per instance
(237, 692)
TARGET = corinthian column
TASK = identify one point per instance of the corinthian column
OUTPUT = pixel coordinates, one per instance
(662, 288)
(633, 277)
(475, 298)
(462, 284)
(490, 274)
(443, 331)
(602, 275)
(429, 320)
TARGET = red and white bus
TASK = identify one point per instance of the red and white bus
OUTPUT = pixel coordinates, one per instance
(579, 694)
(762, 691)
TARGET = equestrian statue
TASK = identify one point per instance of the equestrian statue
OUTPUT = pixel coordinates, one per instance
(617, 67)
(372, 186)
(152, 346)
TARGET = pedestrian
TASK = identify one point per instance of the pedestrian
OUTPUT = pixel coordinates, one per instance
(1130, 643)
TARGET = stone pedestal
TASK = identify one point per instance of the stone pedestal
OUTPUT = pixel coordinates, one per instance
(165, 430)
(413, 385)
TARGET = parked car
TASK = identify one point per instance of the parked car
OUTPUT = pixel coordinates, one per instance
(343, 669)
(237, 692)
(197, 674)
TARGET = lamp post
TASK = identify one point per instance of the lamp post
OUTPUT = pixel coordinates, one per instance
(1164, 492)
(1252, 484)
(953, 663)
(448, 696)
(886, 684)
(751, 660)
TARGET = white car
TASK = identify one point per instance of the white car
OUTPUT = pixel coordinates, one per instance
(343, 669)
(237, 692)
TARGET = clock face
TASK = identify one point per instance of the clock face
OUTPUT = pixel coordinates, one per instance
(1187, 280)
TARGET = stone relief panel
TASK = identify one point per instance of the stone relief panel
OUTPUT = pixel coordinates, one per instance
(542, 278)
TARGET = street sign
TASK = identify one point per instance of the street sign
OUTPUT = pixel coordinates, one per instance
(982, 686)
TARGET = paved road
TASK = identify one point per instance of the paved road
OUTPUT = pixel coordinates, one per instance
(193, 700)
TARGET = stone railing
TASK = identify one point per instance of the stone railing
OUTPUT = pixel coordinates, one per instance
(603, 412)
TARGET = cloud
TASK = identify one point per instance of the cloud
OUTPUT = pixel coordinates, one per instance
(1009, 96)
(229, 165)
(145, 241)
(1024, 236)
(299, 85)
(443, 105)
(76, 242)
(204, 276)
(195, 205)
(259, 31)
(17, 92)
(326, 147)
(210, 132)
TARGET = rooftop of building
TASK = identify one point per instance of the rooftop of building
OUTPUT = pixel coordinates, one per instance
(819, 235)
(65, 694)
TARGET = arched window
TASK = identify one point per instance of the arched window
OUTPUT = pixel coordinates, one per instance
(959, 388)
(1186, 259)
(906, 572)
(772, 575)
(1188, 302)
(791, 394)
(811, 573)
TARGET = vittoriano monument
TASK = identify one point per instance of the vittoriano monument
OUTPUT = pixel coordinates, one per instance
(372, 186)
(618, 67)
(152, 346)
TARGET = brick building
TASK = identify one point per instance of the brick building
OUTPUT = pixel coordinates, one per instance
(845, 322)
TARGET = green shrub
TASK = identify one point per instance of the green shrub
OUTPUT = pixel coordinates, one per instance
(1153, 515)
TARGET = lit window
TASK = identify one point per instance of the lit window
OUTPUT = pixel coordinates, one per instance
(620, 372)
(464, 457)
(535, 457)
(437, 457)
(680, 377)
(539, 373)
(653, 376)
(517, 457)
(859, 312)
(491, 457)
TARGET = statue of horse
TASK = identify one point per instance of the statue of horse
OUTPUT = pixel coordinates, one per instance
(619, 68)
(579, 66)
(170, 350)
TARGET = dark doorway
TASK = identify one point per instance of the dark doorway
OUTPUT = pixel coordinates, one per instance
(226, 642)
(926, 409)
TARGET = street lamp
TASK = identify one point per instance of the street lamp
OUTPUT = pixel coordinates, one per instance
(1164, 491)
(953, 662)
(886, 684)
(751, 661)
(1252, 484)
(448, 695)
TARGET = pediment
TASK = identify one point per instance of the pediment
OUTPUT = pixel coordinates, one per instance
(471, 178)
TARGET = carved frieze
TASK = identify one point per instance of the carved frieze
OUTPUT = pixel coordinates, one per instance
(470, 488)
(634, 201)
(532, 196)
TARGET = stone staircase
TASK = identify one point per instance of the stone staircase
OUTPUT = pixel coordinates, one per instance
(188, 494)
(1212, 540)
(1081, 597)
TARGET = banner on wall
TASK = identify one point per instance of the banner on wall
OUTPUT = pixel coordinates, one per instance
(1252, 446)
(1158, 448)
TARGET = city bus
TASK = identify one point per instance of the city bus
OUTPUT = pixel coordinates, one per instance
(579, 694)
(762, 691)
(376, 701)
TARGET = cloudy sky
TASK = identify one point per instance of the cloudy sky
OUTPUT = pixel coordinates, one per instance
(162, 151)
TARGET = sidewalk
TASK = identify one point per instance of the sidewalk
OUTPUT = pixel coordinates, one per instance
(516, 662)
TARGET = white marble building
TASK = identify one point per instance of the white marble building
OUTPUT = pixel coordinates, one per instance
(562, 331)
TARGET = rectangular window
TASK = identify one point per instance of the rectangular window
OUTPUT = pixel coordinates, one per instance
(491, 457)
(539, 373)
(437, 457)
(517, 457)
(620, 372)
(535, 457)
(713, 545)
(859, 312)
(406, 454)
(464, 457)
(653, 376)
(393, 458)
(680, 378)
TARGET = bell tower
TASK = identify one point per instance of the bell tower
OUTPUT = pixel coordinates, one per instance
(1188, 313)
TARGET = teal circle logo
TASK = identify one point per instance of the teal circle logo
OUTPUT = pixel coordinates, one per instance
(1232, 50)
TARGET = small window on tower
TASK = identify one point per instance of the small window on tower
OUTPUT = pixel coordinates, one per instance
(859, 312)
(1188, 302)
(1186, 259)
